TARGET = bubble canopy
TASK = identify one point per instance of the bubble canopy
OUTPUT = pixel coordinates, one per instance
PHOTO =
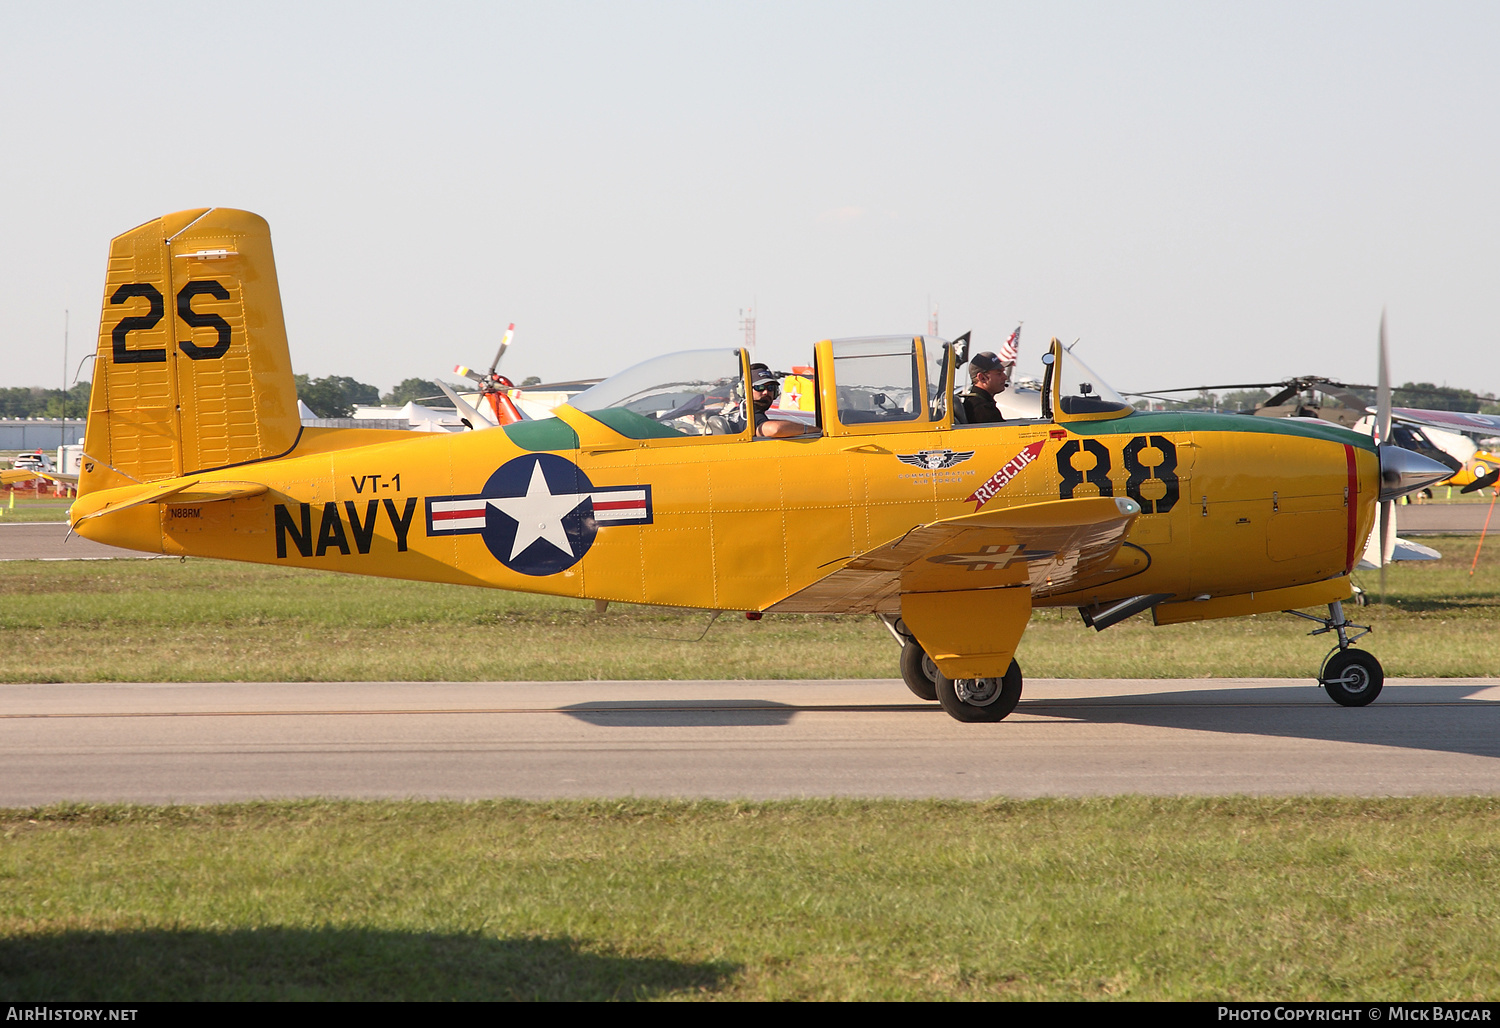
(696, 392)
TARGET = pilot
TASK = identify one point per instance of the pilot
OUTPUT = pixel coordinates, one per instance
(764, 388)
(988, 378)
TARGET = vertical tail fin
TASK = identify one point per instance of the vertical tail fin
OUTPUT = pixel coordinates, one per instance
(192, 371)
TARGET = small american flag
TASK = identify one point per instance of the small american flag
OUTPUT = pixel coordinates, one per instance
(1011, 349)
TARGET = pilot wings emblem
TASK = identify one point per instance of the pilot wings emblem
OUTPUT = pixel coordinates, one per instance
(934, 460)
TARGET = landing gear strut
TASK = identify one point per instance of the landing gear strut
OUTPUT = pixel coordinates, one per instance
(967, 699)
(917, 669)
(1352, 678)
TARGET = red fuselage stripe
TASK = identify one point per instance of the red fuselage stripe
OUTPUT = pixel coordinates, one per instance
(1353, 507)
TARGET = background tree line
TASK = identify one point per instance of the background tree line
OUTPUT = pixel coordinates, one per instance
(337, 395)
(36, 402)
(331, 397)
(1423, 395)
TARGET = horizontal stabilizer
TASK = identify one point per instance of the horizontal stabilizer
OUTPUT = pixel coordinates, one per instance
(174, 491)
(1404, 549)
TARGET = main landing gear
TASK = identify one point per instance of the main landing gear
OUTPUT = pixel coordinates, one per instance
(1352, 678)
(980, 699)
(918, 671)
(967, 699)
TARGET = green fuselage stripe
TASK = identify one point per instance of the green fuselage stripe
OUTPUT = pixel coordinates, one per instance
(1142, 422)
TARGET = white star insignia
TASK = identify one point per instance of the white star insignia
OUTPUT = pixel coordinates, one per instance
(539, 514)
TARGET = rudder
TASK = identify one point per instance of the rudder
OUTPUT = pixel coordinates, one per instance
(192, 371)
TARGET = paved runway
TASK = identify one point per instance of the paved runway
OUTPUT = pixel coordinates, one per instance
(154, 743)
(1458, 518)
(49, 540)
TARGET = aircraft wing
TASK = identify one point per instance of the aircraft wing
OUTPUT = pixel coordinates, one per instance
(1454, 421)
(10, 475)
(1055, 547)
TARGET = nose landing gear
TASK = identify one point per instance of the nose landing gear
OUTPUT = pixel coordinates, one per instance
(1352, 678)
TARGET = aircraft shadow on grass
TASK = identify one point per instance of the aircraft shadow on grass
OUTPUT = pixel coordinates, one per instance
(1443, 718)
(280, 963)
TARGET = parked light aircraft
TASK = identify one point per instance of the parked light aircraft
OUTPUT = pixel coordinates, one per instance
(35, 465)
(645, 488)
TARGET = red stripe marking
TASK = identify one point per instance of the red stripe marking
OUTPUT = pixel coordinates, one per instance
(462, 512)
(620, 505)
(1353, 505)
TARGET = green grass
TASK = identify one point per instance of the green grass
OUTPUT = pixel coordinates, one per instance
(203, 620)
(24, 506)
(1130, 898)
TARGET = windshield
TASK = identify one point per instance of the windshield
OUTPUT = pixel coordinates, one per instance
(700, 392)
(1080, 391)
(877, 380)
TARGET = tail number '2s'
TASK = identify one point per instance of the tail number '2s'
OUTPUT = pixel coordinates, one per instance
(140, 322)
(1139, 473)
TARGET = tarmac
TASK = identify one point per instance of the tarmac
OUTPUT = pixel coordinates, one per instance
(210, 743)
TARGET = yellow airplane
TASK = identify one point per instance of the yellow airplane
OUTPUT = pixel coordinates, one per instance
(35, 465)
(656, 487)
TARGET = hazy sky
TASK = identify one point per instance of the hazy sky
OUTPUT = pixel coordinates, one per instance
(1204, 192)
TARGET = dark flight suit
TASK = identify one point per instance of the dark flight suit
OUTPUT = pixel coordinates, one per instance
(980, 409)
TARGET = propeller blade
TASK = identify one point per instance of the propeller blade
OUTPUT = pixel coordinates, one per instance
(1383, 391)
(1482, 483)
(1387, 540)
(469, 373)
(510, 331)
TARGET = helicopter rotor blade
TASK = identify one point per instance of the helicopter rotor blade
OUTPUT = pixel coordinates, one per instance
(510, 332)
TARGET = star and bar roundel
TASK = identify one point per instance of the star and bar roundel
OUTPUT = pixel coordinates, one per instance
(538, 514)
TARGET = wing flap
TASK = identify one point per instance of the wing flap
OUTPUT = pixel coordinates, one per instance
(1053, 547)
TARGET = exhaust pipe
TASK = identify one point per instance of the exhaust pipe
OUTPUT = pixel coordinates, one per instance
(1100, 618)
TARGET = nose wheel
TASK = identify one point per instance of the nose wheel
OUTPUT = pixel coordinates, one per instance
(1352, 678)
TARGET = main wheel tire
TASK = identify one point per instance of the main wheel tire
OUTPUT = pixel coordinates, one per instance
(917, 671)
(980, 699)
(1352, 678)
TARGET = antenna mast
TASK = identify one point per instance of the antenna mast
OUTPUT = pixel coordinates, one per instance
(63, 432)
(747, 325)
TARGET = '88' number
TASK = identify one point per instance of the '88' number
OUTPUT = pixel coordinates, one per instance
(1159, 479)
